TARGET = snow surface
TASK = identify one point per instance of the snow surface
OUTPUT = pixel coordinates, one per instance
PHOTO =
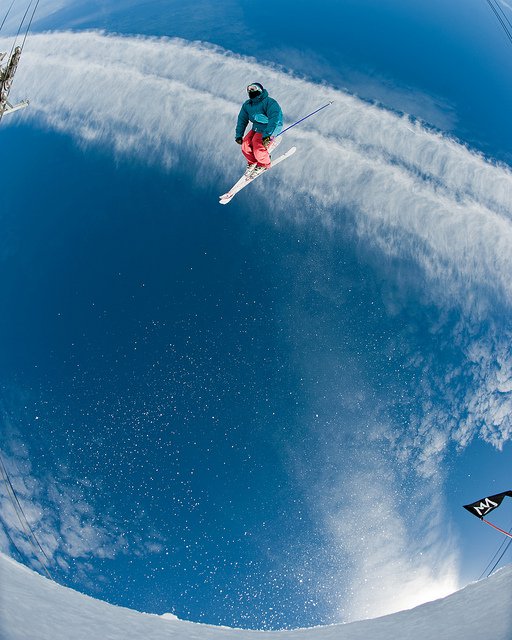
(34, 608)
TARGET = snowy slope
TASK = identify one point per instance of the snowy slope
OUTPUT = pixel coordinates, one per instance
(33, 608)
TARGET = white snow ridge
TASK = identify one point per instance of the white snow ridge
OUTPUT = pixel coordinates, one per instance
(34, 608)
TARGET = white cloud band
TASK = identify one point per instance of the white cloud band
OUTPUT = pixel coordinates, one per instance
(414, 191)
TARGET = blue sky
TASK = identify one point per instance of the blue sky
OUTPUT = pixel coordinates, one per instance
(266, 415)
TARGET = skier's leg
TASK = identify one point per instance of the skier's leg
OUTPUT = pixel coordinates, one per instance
(247, 147)
(260, 151)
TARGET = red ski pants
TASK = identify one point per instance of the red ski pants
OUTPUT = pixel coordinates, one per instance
(254, 149)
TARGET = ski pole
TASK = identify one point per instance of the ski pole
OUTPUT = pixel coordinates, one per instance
(304, 118)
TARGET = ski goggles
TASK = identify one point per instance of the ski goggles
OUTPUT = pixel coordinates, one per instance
(253, 87)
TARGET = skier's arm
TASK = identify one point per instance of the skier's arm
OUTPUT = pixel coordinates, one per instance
(275, 117)
(242, 122)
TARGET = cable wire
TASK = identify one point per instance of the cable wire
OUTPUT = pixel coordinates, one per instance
(499, 559)
(7, 14)
(19, 29)
(500, 7)
(14, 545)
(496, 9)
(30, 23)
(502, 554)
(492, 560)
(504, 542)
(31, 536)
(21, 25)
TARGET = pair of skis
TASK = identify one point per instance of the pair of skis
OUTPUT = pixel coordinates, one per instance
(246, 180)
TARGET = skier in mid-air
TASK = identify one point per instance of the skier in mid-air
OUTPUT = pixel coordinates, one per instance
(267, 121)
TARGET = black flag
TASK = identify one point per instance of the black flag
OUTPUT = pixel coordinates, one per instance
(482, 507)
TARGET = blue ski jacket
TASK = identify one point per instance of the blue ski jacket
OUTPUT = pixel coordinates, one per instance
(264, 113)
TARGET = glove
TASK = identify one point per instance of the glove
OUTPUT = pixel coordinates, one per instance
(239, 140)
(267, 140)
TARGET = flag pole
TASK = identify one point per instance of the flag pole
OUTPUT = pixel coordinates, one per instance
(497, 528)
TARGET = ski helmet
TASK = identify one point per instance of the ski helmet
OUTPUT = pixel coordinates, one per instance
(254, 89)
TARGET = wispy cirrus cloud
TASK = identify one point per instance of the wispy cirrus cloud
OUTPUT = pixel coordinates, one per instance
(51, 521)
(416, 192)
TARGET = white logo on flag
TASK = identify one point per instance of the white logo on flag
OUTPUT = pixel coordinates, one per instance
(485, 506)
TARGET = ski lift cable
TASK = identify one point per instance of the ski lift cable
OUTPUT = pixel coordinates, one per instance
(19, 28)
(14, 545)
(503, 543)
(25, 525)
(493, 7)
(9, 483)
(29, 24)
(19, 510)
(501, 556)
(500, 15)
(31, 536)
(504, 15)
(7, 14)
